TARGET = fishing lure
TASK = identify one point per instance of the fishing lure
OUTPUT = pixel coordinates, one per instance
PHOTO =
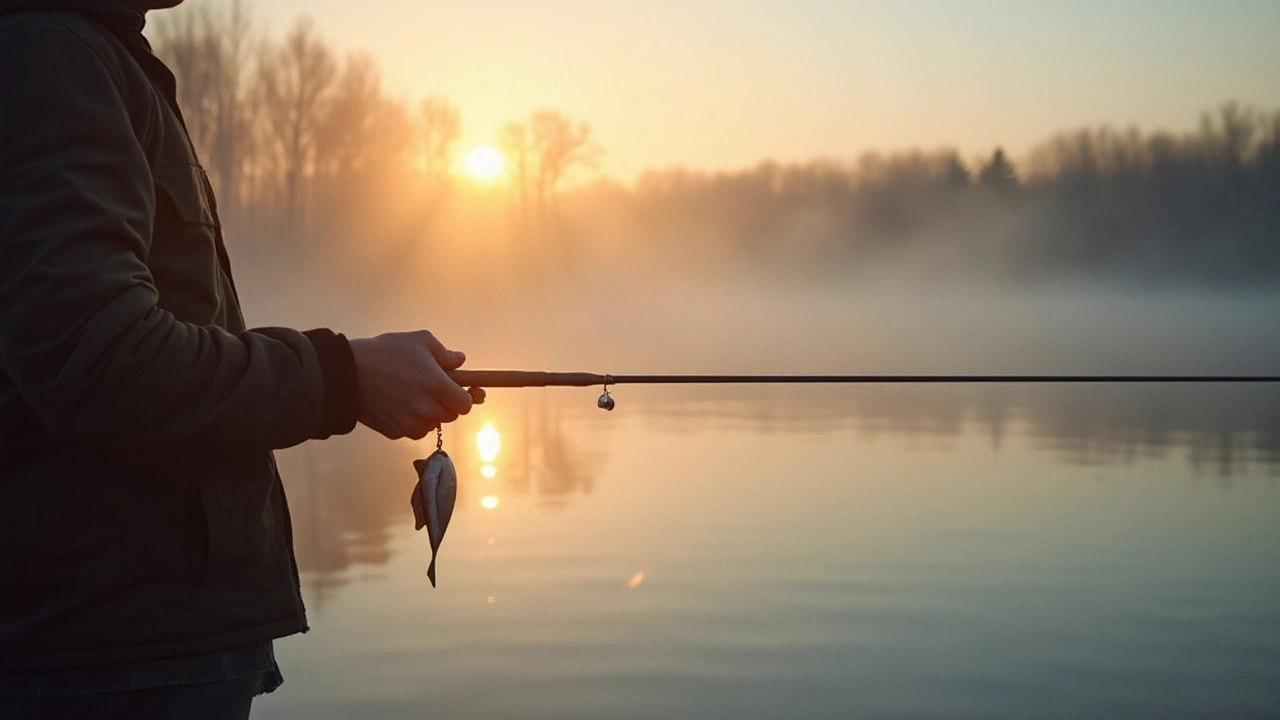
(433, 498)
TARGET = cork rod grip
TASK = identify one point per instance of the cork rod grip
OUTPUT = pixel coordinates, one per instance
(523, 378)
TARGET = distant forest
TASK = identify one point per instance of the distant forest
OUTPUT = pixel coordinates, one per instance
(313, 160)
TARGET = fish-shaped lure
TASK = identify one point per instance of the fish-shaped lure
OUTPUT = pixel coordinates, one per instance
(433, 499)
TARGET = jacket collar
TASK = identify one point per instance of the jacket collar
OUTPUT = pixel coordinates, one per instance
(117, 13)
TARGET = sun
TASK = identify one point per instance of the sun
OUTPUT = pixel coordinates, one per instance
(484, 163)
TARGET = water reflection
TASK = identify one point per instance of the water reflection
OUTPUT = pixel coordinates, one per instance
(489, 442)
(524, 442)
(1223, 430)
(350, 495)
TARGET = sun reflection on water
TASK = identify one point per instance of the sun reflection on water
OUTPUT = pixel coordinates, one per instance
(489, 443)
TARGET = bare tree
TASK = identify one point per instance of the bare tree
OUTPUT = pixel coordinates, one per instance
(343, 138)
(559, 145)
(295, 80)
(362, 147)
(439, 127)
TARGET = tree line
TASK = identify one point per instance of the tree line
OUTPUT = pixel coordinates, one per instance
(307, 151)
(1202, 205)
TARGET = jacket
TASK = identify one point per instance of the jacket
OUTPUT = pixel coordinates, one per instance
(141, 513)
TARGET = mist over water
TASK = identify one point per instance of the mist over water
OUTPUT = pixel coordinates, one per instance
(613, 319)
(939, 552)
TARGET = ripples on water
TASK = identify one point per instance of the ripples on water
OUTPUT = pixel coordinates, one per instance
(827, 552)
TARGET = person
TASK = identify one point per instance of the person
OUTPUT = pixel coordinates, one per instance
(146, 557)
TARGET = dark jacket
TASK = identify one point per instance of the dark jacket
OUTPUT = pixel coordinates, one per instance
(141, 515)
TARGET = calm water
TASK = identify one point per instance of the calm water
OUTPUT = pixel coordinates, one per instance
(822, 553)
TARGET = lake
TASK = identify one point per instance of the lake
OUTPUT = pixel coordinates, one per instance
(815, 552)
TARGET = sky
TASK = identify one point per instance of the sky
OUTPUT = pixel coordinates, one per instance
(725, 84)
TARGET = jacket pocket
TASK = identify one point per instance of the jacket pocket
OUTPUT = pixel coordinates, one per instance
(186, 256)
(180, 189)
(241, 529)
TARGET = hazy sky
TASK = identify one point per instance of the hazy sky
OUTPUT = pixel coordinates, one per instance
(725, 84)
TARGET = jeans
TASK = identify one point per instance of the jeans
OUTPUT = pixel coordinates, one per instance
(225, 700)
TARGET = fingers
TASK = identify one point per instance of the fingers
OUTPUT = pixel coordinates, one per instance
(449, 395)
(404, 386)
(430, 415)
(433, 412)
(448, 359)
(420, 432)
(427, 415)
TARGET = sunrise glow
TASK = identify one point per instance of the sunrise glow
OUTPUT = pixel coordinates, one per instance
(484, 163)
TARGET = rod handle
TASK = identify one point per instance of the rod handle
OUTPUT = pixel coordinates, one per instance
(523, 378)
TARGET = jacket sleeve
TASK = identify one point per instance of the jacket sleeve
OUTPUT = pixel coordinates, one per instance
(81, 334)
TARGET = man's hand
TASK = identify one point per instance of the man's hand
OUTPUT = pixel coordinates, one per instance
(404, 391)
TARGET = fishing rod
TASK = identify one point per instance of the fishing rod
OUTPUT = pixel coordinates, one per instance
(536, 378)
